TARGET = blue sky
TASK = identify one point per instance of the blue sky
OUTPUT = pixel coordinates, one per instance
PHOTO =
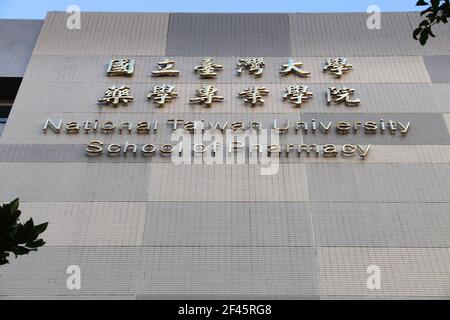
(36, 9)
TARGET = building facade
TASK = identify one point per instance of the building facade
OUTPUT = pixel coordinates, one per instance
(143, 227)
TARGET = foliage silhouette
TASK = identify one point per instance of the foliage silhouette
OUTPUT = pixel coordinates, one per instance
(15, 237)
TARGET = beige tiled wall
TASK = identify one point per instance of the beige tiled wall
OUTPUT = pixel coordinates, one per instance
(147, 228)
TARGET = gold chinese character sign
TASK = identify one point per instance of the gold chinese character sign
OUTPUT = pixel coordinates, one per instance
(206, 95)
(116, 95)
(162, 94)
(166, 68)
(207, 68)
(337, 66)
(254, 95)
(120, 67)
(254, 66)
(342, 95)
(297, 94)
(295, 68)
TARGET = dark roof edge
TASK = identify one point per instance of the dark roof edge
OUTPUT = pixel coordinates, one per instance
(22, 20)
(166, 12)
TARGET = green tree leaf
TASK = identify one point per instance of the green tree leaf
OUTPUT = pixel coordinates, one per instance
(36, 244)
(421, 3)
(423, 37)
(41, 228)
(438, 11)
(15, 237)
(416, 32)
